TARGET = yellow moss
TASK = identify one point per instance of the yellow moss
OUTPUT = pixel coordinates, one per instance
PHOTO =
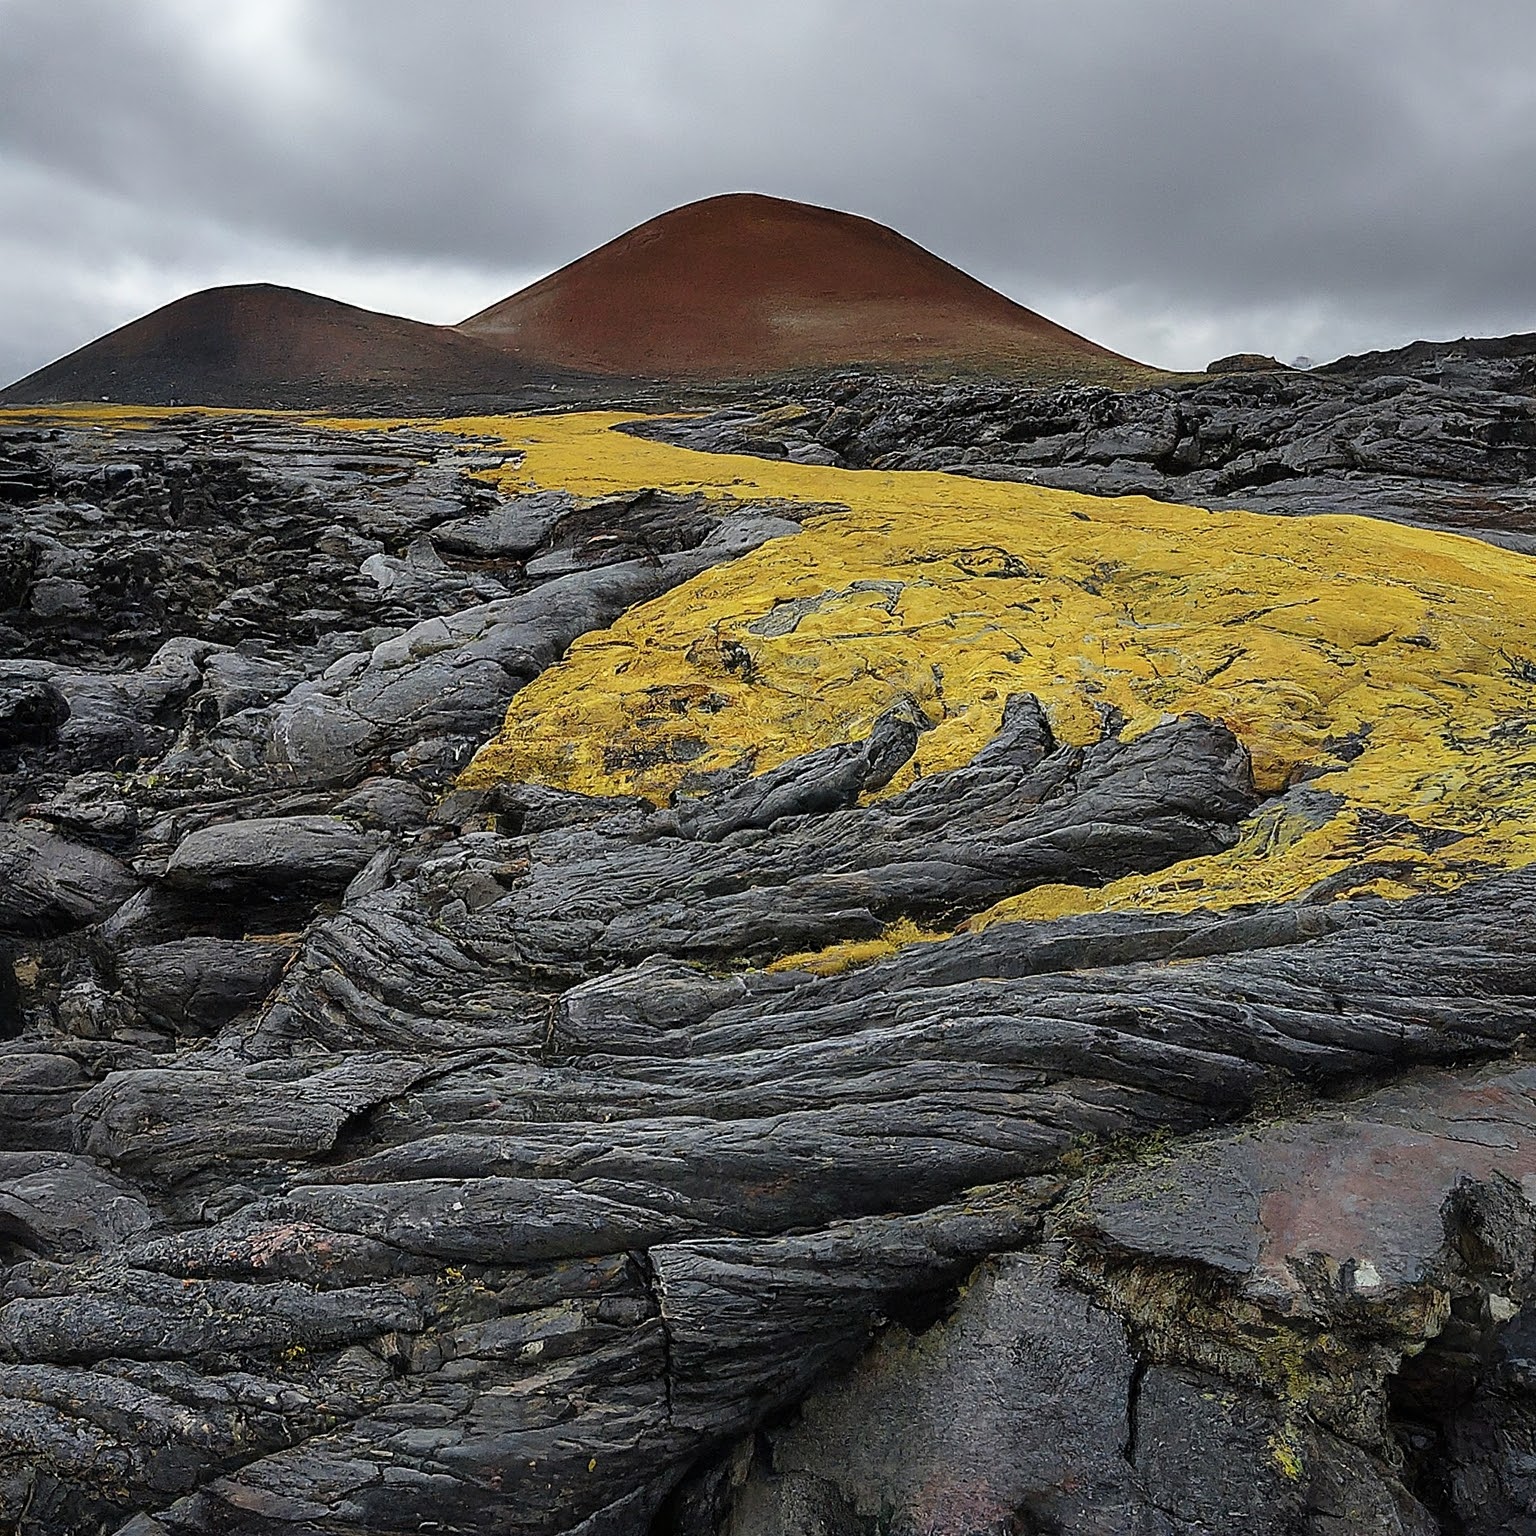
(1309, 636)
(1261, 866)
(1286, 1457)
(842, 957)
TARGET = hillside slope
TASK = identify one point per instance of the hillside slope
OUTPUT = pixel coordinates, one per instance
(259, 344)
(743, 284)
(732, 288)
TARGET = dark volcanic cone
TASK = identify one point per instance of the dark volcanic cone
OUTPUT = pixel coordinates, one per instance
(258, 344)
(742, 285)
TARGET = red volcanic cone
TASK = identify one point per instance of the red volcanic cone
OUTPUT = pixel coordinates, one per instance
(743, 284)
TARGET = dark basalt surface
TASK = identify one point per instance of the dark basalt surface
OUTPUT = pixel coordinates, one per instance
(379, 1158)
(1437, 435)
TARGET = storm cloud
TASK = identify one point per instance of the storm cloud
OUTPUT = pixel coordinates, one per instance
(1176, 178)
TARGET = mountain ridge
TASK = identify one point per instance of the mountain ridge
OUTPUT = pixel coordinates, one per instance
(727, 289)
(260, 344)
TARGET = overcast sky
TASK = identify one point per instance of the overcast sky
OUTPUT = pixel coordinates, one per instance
(1175, 178)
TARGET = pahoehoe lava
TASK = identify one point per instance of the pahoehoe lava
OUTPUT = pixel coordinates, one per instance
(941, 945)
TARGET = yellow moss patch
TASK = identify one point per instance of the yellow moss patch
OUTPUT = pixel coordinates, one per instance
(1286, 1457)
(836, 958)
(1314, 638)
(1310, 637)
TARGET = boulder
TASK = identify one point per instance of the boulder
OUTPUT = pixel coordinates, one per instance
(283, 855)
(1245, 362)
(197, 985)
(49, 885)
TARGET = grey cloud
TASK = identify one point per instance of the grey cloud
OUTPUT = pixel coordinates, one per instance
(1350, 172)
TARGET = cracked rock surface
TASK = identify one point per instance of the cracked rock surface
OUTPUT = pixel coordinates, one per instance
(378, 1156)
